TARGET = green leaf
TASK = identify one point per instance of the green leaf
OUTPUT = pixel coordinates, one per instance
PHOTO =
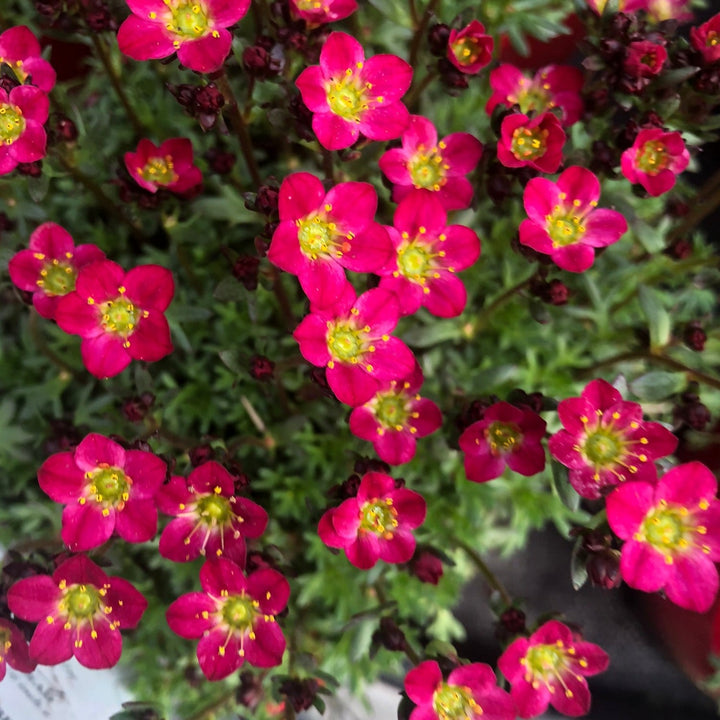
(578, 568)
(562, 488)
(658, 317)
(657, 385)
(229, 290)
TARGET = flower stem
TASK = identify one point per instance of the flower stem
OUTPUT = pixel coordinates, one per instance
(209, 710)
(485, 571)
(706, 201)
(39, 340)
(413, 12)
(116, 81)
(420, 31)
(658, 359)
(238, 125)
(485, 314)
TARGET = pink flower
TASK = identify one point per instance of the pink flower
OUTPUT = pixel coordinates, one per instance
(79, 611)
(660, 10)
(706, 39)
(605, 440)
(210, 518)
(644, 59)
(549, 668)
(672, 534)
(321, 233)
(506, 436)
(104, 488)
(428, 255)
(20, 49)
(49, 267)
(376, 524)
(470, 49)
(470, 693)
(320, 12)
(118, 315)
(13, 649)
(196, 30)
(536, 143)
(563, 219)
(234, 617)
(350, 95)
(352, 339)
(395, 417)
(654, 160)
(554, 86)
(22, 136)
(625, 6)
(169, 166)
(440, 167)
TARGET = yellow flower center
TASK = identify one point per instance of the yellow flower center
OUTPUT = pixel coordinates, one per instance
(239, 613)
(160, 171)
(602, 447)
(503, 437)
(467, 50)
(453, 702)
(12, 123)
(57, 278)
(345, 342)
(529, 144)
(214, 510)
(427, 169)
(391, 410)
(119, 316)
(347, 97)
(652, 157)
(187, 19)
(565, 225)
(379, 517)
(109, 485)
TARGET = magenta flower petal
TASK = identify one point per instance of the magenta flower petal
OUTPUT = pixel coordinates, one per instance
(99, 648)
(340, 52)
(95, 450)
(207, 54)
(687, 484)
(300, 194)
(693, 584)
(364, 552)
(271, 589)
(86, 526)
(312, 88)
(60, 478)
(643, 567)
(333, 131)
(51, 644)
(627, 507)
(172, 540)
(31, 145)
(421, 681)
(389, 76)
(221, 574)
(384, 122)
(138, 521)
(189, 615)
(269, 645)
(217, 666)
(127, 602)
(151, 339)
(144, 40)
(33, 598)
(150, 286)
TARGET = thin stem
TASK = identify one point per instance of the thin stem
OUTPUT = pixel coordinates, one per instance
(485, 571)
(282, 298)
(116, 82)
(328, 168)
(702, 207)
(486, 312)
(238, 125)
(416, 91)
(39, 340)
(413, 12)
(658, 359)
(214, 706)
(420, 31)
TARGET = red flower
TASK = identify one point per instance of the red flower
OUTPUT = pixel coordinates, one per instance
(79, 611)
(506, 436)
(395, 417)
(315, 13)
(13, 649)
(428, 255)
(706, 39)
(644, 59)
(376, 524)
(470, 49)
(234, 617)
(470, 693)
(321, 233)
(49, 267)
(554, 86)
(22, 136)
(118, 315)
(210, 518)
(20, 49)
(352, 339)
(425, 163)
(564, 222)
(605, 441)
(672, 534)
(104, 488)
(169, 166)
(536, 143)
(196, 30)
(349, 95)
(549, 668)
(654, 160)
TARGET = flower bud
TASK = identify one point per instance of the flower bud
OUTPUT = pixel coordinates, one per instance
(246, 271)
(390, 636)
(438, 37)
(220, 161)
(261, 368)
(201, 454)
(426, 567)
(694, 336)
(299, 693)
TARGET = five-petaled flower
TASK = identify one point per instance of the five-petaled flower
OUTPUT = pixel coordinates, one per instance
(48, 268)
(234, 617)
(79, 611)
(549, 668)
(428, 255)
(22, 135)
(104, 488)
(321, 233)
(196, 29)
(654, 160)
(605, 440)
(554, 86)
(376, 524)
(118, 315)
(469, 693)
(470, 49)
(506, 436)
(210, 519)
(395, 417)
(564, 220)
(533, 142)
(13, 649)
(441, 167)
(706, 39)
(350, 95)
(169, 166)
(320, 12)
(644, 59)
(20, 50)
(672, 534)
(352, 339)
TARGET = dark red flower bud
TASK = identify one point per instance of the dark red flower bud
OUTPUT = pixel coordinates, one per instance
(438, 36)
(261, 368)
(266, 201)
(299, 693)
(365, 465)
(679, 249)
(691, 413)
(201, 454)
(208, 99)
(250, 690)
(512, 621)
(694, 336)
(220, 161)
(603, 569)
(98, 16)
(450, 76)
(8, 83)
(6, 223)
(426, 567)
(31, 169)
(62, 128)
(302, 118)
(136, 408)
(317, 375)
(390, 636)
(246, 271)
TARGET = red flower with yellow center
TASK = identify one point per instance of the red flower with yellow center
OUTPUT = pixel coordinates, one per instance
(470, 49)
(654, 160)
(537, 142)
